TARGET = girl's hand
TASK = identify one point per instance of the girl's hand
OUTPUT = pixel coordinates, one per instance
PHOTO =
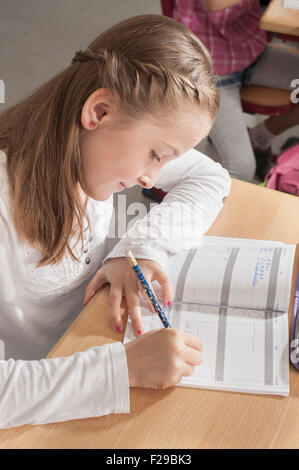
(119, 274)
(160, 358)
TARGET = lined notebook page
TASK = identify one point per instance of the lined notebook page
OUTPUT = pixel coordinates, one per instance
(244, 349)
(234, 272)
(293, 4)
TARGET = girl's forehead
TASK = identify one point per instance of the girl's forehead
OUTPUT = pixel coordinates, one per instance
(184, 114)
(176, 137)
(183, 120)
(180, 129)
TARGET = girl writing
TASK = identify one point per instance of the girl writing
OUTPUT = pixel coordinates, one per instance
(128, 110)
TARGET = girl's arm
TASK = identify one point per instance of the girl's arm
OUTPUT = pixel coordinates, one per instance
(87, 384)
(219, 5)
(197, 188)
(228, 15)
(90, 383)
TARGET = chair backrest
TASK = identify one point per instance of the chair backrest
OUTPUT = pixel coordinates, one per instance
(167, 7)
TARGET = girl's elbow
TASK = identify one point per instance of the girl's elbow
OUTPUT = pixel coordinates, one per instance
(226, 181)
(224, 174)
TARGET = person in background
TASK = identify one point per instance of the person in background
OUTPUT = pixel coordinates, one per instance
(230, 30)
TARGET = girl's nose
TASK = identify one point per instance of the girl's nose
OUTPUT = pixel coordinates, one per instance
(145, 182)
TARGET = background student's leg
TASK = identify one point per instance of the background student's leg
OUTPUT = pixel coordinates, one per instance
(230, 136)
(276, 68)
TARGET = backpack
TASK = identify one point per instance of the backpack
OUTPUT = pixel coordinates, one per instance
(284, 176)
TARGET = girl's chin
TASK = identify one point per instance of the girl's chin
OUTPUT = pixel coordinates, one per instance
(121, 186)
(103, 193)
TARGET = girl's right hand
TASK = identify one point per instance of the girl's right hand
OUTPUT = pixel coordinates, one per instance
(160, 358)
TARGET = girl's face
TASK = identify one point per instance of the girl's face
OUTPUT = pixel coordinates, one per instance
(117, 155)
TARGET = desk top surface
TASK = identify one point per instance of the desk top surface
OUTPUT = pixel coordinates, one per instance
(278, 19)
(182, 417)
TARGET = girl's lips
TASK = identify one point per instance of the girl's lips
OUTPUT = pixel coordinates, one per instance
(121, 185)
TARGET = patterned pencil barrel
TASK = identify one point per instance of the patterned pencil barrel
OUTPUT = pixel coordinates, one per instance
(147, 289)
(151, 296)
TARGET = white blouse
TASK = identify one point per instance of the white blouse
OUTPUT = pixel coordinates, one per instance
(39, 304)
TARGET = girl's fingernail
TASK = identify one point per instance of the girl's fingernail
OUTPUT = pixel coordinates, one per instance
(117, 329)
(169, 303)
(139, 331)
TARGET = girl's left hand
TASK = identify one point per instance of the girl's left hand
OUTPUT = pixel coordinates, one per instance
(118, 273)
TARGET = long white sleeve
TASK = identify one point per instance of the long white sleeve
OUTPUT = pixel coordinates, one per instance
(37, 305)
(87, 384)
(196, 189)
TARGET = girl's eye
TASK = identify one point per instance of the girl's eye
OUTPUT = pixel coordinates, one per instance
(154, 156)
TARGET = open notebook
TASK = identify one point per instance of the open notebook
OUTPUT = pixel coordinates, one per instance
(234, 294)
(293, 4)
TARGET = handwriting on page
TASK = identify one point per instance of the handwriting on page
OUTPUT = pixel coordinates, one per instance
(262, 266)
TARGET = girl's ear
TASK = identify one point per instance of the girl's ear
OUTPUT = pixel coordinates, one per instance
(101, 111)
(95, 108)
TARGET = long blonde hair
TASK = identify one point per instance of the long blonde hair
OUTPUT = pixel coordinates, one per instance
(149, 62)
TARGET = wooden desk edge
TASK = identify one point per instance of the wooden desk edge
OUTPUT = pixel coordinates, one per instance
(15, 437)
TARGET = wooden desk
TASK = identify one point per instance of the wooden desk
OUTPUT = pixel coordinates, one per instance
(183, 417)
(279, 19)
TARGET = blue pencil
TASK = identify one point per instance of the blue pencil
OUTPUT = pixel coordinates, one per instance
(147, 289)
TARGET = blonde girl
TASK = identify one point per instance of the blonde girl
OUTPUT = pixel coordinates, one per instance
(128, 110)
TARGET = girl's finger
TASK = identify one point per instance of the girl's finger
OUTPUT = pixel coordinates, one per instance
(188, 370)
(95, 284)
(192, 356)
(192, 341)
(165, 283)
(134, 310)
(114, 302)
